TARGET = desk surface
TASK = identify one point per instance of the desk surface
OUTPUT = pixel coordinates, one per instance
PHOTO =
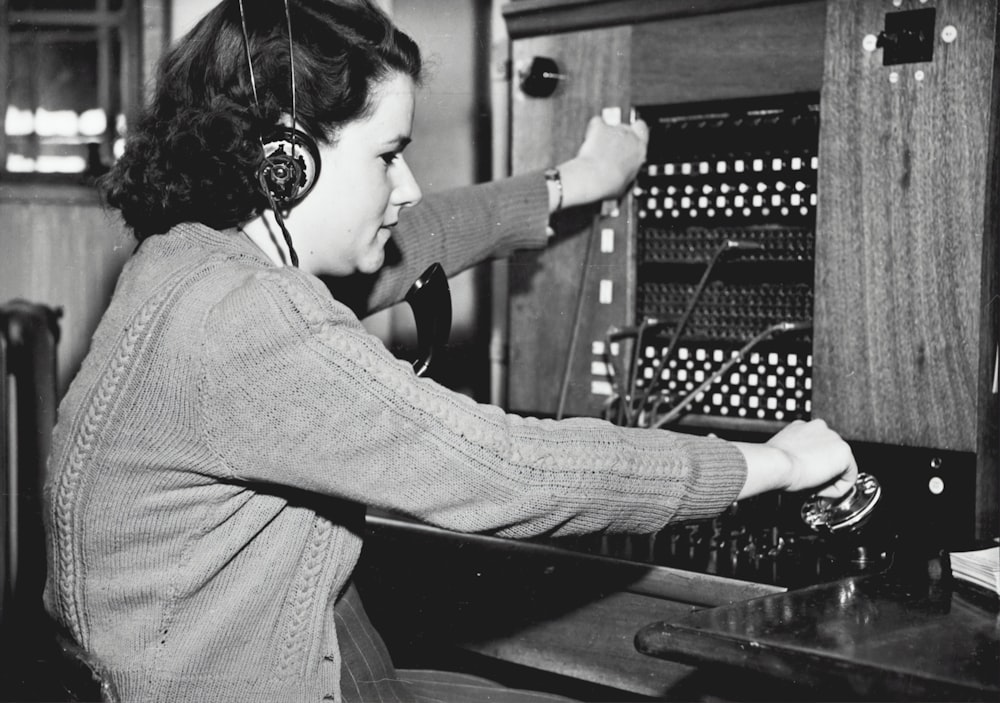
(911, 633)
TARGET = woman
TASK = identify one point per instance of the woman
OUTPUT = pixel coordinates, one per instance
(215, 455)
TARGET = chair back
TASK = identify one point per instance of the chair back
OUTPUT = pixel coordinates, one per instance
(29, 336)
(37, 661)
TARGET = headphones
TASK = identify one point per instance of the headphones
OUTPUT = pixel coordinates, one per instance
(289, 168)
(291, 163)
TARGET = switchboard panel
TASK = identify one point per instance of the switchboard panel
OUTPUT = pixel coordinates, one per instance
(725, 212)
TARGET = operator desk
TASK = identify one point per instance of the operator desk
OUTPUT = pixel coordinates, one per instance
(912, 632)
(633, 631)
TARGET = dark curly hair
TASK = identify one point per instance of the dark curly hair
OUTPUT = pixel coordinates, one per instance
(193, 153)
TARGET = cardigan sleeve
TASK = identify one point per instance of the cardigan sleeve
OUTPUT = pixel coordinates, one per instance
(457, 228)
(295, 392)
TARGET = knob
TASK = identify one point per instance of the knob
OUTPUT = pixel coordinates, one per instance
(541, 78)
(848, 513)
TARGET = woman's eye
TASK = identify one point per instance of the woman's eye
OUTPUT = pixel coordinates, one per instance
(389, 157)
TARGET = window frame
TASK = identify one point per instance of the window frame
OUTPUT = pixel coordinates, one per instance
(128, 21)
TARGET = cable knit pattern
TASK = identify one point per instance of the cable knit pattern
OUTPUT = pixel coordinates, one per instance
(298, 635)
(83, 445)
(214, 455)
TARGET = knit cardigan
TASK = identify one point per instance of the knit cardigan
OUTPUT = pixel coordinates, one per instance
(213, 459)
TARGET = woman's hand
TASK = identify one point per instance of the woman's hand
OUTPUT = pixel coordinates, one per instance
(801, 456)
(606, 163)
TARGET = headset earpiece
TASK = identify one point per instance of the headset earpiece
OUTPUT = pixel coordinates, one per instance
(290, 164)
(290, 167)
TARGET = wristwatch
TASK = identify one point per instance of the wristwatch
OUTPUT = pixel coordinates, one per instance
(552, 176)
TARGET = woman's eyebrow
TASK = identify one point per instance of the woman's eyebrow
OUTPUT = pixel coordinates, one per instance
(398, 143)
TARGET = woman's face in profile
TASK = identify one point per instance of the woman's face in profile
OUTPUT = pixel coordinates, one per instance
(344, 223)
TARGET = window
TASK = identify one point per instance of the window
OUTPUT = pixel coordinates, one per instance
(69, 73)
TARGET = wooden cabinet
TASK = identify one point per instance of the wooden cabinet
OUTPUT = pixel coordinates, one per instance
(906, 237)
(904, 338)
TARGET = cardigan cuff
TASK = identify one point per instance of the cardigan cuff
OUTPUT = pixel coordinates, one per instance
(716, 481)
(529, 204)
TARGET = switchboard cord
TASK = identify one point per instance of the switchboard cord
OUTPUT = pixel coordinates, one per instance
(623, 379)
(627, 391)
(773, 330)
(616, 374)
(577, 320)
(727, 247)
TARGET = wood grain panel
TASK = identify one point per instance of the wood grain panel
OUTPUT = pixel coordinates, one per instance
(754, 52)
(900, 230)
(988, 454)
(545, 285)
(537, 17)
(65, 253)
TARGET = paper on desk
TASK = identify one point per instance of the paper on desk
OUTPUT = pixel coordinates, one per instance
(979, 566)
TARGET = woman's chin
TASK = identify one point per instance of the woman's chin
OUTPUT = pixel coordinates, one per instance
(373, 262)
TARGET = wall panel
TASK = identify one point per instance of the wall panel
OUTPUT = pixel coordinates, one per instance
(65, 251)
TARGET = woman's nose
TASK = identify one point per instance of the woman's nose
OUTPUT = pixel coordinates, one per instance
(406, 192)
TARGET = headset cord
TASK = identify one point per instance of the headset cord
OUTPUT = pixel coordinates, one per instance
(280, 219)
